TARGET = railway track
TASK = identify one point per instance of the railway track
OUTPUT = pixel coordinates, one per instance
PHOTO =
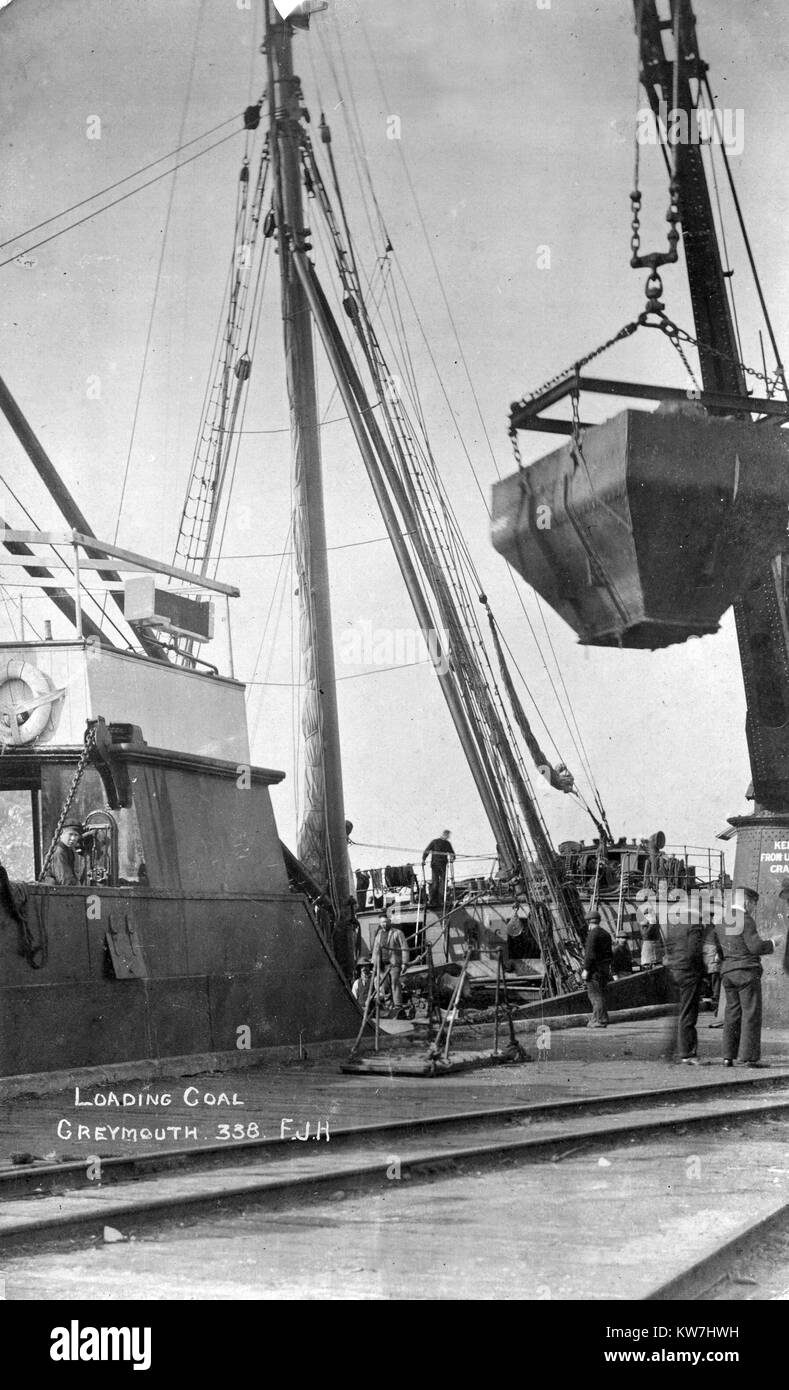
(49, 1204)
(719, 1273)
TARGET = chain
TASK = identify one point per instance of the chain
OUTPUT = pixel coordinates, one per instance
(516, 449)
(90, 740)
(575, 403)
(625, 332)
(655, 258)
(675, 342)
(669, 257)
(677, 335)
(673, 336)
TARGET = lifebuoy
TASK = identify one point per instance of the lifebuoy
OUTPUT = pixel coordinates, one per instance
(24, 714)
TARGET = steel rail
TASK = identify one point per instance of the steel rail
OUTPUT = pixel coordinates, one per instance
(143, 1200)
(703, 1274)
(39, 1176)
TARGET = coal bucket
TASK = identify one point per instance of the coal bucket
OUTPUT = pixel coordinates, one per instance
(645, 534)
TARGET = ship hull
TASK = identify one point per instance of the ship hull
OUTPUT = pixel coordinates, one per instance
(135, 976)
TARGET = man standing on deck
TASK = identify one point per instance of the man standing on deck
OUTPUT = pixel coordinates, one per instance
(597, 969)
(390, 952)
(441, 854)
(741, 976)
(62, 869)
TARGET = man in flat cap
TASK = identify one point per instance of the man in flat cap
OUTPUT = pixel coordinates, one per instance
(62, 869)
(741, 977)
(598, 962)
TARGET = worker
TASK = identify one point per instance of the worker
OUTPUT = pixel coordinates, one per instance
(441, 854)
(62, 869)
(622, 961)
(711, 953)
(685, 961)
(390, 952)
(741, 976)
(361, 985)
(598, 960)
(651, 946)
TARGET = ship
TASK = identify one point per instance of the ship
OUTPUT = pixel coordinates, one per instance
(193, 932)
(182, 927)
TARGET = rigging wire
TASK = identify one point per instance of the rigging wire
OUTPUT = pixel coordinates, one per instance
(283, 556)
(584, 760)
(122, 199)
(37, 561)
(345, 545)
(560, 704)
(24, 619)
(6, 604)
(65, 212)
(363, 149)
(727, 270)
(355, 675)
(250, 350)
(296, 704)
(479, 693)
(355, 142)
(400, 441)
(285, 429)
(434, 262)
(217, 447)
(747, 241)
(159, 268)
(444, 502)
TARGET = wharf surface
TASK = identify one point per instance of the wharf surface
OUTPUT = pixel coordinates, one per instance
(280, 1095)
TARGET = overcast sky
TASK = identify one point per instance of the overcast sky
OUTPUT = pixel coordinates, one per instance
(516, 126)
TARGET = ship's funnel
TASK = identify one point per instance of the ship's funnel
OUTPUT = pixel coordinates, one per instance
(645, 535)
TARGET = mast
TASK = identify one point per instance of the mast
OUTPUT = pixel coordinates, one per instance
(322, 840)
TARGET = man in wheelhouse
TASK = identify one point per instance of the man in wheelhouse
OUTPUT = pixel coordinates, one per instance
(63, 870)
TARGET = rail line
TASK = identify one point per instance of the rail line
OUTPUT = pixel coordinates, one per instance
(39, 1177)
(59, 1200)
(702, 1277)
